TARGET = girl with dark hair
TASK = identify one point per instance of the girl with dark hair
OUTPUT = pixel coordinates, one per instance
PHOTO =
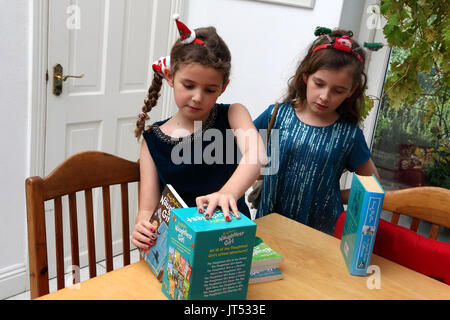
(318, 133)
(191, 150)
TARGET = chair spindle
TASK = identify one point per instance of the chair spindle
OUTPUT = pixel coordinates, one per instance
(434, 231)
(74, 232)
(395, 218)
(414, 224)
(59, 243)
(90, 232)
(125, 224)
(107, 228)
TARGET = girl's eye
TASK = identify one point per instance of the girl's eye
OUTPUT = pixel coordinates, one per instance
(188, 86)
(210, 91)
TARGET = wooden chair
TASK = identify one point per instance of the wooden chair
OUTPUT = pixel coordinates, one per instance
(431, 204)
(81, 172)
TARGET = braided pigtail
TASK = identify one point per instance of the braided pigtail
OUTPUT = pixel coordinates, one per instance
(149, 103)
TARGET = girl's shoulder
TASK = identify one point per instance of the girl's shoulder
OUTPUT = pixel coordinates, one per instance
(284, 109)
(347, 124)
(350, 129)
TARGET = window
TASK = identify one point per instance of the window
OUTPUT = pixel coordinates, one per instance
(411, 144)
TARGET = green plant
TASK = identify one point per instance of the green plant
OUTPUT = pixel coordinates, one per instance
(417, 83)
(438, 174)
(422, 29)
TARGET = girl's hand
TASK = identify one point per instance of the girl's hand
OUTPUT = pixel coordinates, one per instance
(223, 200)
(144, 235)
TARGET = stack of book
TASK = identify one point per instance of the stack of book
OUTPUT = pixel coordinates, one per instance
(265, 263)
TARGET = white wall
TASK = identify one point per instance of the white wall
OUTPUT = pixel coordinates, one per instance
(14, 68)
(266, 41)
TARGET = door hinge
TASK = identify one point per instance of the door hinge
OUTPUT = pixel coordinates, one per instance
(46, 76)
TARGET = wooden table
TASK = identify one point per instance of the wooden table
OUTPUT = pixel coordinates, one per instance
(313, 268)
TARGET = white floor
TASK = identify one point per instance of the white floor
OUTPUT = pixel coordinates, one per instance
(84, 274)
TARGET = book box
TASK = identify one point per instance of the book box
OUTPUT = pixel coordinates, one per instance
(361, 223)
(208, 259)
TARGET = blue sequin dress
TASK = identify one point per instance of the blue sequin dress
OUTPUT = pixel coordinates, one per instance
(199, 164)
(310, 163)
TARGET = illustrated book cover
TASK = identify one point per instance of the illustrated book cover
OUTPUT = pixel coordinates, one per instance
(264, 257)
(361, 223)
(155, 256)
(208, 259)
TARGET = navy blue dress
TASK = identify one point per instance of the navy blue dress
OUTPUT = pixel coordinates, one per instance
(198, 164)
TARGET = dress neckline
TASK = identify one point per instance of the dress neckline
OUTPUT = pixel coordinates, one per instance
(156, 129)
(311, 125)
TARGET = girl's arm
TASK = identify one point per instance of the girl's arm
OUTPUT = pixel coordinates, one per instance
(253, 159)
(148, 200)
(366, 169)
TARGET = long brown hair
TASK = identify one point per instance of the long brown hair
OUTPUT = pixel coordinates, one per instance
(335, 60)
(212, 53)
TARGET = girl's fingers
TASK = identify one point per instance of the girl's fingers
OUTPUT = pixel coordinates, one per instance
(142, 238)
(146, 230)
(211, 201)
(201, 202)
(234, 208)
(144, 235)
(212, 204)
(226, 211)
(140, 245)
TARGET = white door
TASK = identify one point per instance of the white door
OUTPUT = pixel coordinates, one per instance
(113, 44)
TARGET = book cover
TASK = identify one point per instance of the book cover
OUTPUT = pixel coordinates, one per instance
(361, 223)
(270, 274)
(264, 257)
(155, 256)
(208, 259)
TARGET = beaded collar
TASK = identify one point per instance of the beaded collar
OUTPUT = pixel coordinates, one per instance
(155, 128)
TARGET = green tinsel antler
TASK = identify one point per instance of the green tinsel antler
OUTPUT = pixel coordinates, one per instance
(319, 31)
(375, 46)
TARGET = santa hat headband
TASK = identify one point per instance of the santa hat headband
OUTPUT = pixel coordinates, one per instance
(343, 43)
(186, 35)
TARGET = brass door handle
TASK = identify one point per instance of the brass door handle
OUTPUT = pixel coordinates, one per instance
(59, 78)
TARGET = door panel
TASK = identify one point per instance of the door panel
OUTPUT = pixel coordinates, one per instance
(112, 43)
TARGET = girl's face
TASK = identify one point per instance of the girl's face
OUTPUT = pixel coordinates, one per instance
(196, 89)
(326, 89)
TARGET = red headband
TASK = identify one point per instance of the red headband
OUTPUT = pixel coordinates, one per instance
(343, 44)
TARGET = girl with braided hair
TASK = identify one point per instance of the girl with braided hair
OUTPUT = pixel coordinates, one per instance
(173, 150)
(319, 137)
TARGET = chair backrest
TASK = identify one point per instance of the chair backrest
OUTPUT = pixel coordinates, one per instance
(431, 204)
(81, 172)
